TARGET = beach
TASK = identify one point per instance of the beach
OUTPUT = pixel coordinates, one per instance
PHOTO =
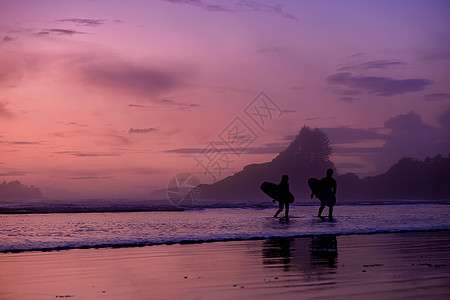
(370, 266)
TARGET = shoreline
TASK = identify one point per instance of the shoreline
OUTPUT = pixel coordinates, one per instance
(69, 208)
(198, 242)
(389, 265)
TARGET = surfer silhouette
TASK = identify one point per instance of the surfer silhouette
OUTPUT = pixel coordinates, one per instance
(328, 184)
(283, 201)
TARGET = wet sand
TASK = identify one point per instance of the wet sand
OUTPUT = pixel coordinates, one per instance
(413, 265)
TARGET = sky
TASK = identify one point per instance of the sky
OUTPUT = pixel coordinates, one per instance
(114, 99)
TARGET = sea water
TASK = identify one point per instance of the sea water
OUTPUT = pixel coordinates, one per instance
(26, 232)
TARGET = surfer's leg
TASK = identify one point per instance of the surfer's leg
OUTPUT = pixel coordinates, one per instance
(312, 195)
(280, 209)
(330, 214)
(287, 210)
(321, 210)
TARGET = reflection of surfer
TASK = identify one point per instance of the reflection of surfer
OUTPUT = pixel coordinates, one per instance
(328, 183)
(283, 201)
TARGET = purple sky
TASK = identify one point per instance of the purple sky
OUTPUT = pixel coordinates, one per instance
(114, 98)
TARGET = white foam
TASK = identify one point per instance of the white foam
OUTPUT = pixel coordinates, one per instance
(64, 231)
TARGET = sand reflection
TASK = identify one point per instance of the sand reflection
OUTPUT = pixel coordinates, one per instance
(311, 256)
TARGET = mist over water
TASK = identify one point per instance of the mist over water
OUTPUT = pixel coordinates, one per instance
(21, 232)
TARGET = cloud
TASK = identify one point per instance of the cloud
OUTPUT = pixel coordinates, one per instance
(108, 138)
(186, 150)
(343, 135)
(348, 165)
(141, 170)
(142, 131)
(24, 143)
(88, 154)
(83, 22)
(58, 31)
(4, 112)
(410, 137)
(73, 133)
(13, 69)
(249, 5)
(97, 69)
(380, 86)
(129, 77)
(13, 173)
(238, 6)
(179, 105)
(347, 99)
(436, 97)
(355, 55)
(168, 103)
(75, 124)
(40, 32)
(375, 64)
(271, 148)
(20, 143)
(408, 122)
(202, 4)
(444, 120)
(298, 88)
(89, 177)
(404, 135)
(269, 50)
(138, 105)
(104, 173)
(8, 39)
(84, 154)
(437, 55)
(113, 139)
(348, 92)
(355, 151)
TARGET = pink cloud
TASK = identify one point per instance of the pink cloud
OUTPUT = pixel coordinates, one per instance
(4, 111)
(142, 131)
(131, 78)
(88, 154)
(84, 22)
(380, 86)
(58, 31)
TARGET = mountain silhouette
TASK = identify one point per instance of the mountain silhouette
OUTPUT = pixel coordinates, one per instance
(306, 156)
(409, 178)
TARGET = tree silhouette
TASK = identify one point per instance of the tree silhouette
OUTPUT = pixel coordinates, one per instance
(310, 146)
(306, 156)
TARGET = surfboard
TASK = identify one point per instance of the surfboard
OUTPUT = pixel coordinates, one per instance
(323, 193)
(273, 191)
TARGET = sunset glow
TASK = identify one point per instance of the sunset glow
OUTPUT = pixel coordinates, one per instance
(113, 98)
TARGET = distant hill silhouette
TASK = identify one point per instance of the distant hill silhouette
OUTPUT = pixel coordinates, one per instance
(308, 156)
(407, 179)
(16, 190)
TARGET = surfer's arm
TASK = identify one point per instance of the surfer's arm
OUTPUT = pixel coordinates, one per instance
(334, 188)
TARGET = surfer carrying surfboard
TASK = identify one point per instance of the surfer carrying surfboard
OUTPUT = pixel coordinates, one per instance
(284, 193)
(328, 183)
(279, 192)
(325, 191)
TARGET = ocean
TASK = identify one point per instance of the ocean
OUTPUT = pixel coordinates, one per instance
(58, 231)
